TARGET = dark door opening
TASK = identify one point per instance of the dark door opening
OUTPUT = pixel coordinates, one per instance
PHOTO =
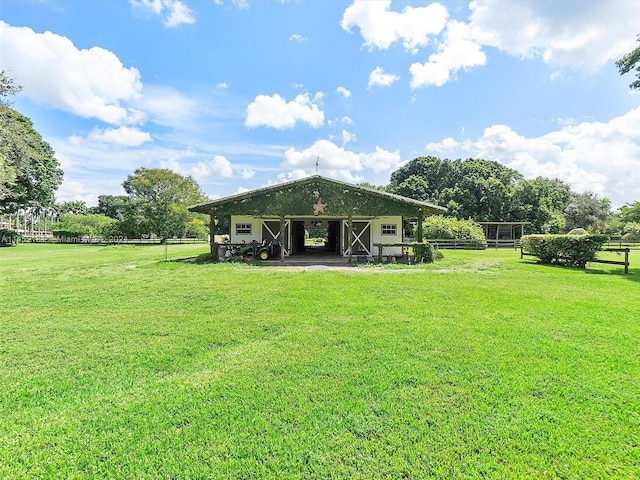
(316, 237)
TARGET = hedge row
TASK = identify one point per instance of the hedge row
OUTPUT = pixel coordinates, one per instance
(446, 228)
(569, 250)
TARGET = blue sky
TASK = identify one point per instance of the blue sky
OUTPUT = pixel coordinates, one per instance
(246, 93)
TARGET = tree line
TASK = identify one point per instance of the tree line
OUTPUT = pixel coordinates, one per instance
(487, 191)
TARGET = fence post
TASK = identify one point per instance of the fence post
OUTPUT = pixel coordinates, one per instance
(626, 261)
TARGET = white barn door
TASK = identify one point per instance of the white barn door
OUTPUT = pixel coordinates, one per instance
(361, 241)
(271, 230)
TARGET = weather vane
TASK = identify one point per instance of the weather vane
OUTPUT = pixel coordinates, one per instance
(317, 164)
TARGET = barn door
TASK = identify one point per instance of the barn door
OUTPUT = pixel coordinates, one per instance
(271, 230)
(361, 241)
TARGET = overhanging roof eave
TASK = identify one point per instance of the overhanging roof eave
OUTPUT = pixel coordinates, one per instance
(228, 205)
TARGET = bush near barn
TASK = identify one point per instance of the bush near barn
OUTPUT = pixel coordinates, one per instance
(566, 250)
(448, 228)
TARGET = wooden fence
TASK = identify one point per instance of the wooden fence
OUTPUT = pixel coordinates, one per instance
(114, 240)
(624, 263)
(622, 244)
(463, 244)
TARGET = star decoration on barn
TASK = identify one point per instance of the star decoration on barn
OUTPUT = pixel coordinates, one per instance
(318, 207)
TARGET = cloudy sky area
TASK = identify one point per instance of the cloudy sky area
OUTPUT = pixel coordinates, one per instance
(245, 93)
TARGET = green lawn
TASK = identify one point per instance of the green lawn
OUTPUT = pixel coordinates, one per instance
(114, 364)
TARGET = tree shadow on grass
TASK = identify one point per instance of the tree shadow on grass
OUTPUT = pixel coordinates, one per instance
(633, 275)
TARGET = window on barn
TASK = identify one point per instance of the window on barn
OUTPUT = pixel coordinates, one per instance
(243, 229)
(389, 229)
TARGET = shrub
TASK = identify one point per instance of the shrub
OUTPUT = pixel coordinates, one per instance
(578, 231)
(446, 228)
(68, 231)
(430, 253)
(204, 258)
(77, 226)
(569, 250)
(9, 238)
(196, 228)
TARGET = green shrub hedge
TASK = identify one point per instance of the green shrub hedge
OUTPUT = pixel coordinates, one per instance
(427, 252)
(204, 258)
(438, 227)
(569, 250)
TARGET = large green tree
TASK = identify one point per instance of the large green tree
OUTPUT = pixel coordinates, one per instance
(631, 61)
(471, 188)
(541, 202)
(486, 191)
(29, 171)
(111, 205)
(74, 207)
(630, 212)
(588, 211)
(158, 199)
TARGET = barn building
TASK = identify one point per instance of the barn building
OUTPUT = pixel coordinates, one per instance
(357, 220)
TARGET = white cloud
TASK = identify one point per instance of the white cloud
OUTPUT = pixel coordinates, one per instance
(241, 4)
(337, 161)
(167, 106)
(71, 190)
(381, 160)
(91, 83)
(173, 162)
(292, 175)
(456, 52)
(174, 12)
(219, 166)
(381, 27)
(296, 37)
(348, 137)
(592, 156)
(378, 77)
(222, 85)
(344, 137)
(444, 146)
(340, 121)
(585, 33)
(343, 91)
(276, 112)
(247, 173)
(122, 136)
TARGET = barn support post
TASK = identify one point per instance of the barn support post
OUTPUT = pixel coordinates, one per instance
(213, 245)
(281, 237)
(350, 235)
(419, 248)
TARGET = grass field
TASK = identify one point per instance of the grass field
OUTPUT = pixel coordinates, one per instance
(114, 364)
